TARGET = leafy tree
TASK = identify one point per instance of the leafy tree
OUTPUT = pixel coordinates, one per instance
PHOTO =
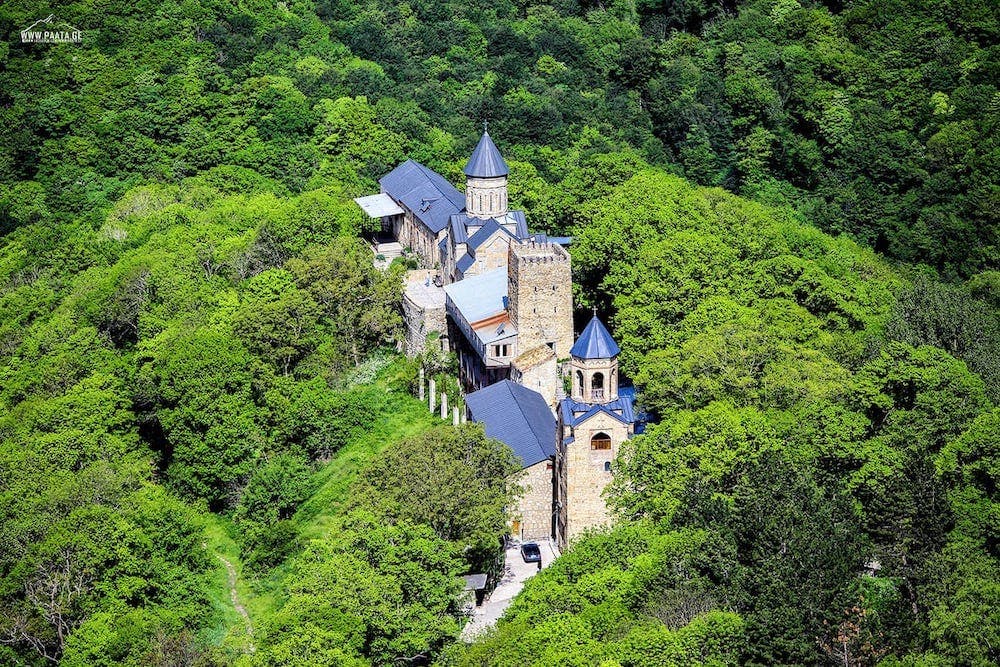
(454, 480)
(387, 591)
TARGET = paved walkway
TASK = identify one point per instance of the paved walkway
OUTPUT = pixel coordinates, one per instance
(516, 572)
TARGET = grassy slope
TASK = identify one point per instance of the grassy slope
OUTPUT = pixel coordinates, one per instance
(404, 416)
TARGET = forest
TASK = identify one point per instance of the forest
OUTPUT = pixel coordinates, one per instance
(787, 211)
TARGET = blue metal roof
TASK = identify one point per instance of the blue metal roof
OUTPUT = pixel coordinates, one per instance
(486, 161)
(641, 418)
(464, 263)
(462, 224)
(516, 416)
(622, 404)
(595, 342)
(428, 194)
(458, 228)
(485, 232)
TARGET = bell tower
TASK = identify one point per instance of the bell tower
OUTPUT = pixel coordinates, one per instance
(486, 181)
(595, 365)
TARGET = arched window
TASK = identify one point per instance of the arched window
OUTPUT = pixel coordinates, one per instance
(597, 387)
(579, 383)
(607, 466)
(600, 441)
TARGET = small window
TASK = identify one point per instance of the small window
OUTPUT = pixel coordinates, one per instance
(607, 466)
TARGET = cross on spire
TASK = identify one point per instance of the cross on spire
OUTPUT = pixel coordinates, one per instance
(486, 126)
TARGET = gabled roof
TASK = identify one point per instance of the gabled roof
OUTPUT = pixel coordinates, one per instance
(569, 408)
(485, 232)
(428, 194)
(516, 416)
(464, 263)
(462, 225)
(486, 161)
(595, 342)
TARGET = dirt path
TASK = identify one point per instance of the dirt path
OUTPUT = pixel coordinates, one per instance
(240, 609)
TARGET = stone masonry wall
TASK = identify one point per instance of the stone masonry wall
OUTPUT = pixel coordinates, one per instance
(541, 298)
(537, 370)
(423, 311)
(585, 476)
(535, 507)
(486, 197)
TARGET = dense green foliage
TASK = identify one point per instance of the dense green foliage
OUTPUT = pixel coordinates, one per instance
(815, 489)
(190, 334)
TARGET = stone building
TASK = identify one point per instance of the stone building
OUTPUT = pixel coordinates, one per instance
(523, 420)
(460, 235)
(509, 311)
(594, 421)
(424, 312)
(501, 299)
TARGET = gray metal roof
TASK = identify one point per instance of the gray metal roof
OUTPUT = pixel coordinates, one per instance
(595, 342)
(479, 297)
(429, 195)
(378, 206)
(486, 161)
(518, 417)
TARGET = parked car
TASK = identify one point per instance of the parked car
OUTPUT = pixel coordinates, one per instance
(531, 553)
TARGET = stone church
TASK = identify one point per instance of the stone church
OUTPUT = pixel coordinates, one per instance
(501, 298)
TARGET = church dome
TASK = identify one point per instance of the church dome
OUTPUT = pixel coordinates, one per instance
(595, 342)
(486, 161)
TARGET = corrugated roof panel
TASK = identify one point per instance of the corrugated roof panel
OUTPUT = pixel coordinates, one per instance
(479, 297)
(378, 206)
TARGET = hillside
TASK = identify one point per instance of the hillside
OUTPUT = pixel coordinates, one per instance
(787, 212)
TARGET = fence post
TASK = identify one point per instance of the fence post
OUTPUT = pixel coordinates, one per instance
(444, 405)
(432, 397)
(420, 391)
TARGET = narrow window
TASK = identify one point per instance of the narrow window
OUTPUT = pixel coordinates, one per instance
(607, 466)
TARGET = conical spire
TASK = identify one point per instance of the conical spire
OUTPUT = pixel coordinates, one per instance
(486, 161)
(595, 342)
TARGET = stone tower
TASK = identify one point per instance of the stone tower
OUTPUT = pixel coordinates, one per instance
(539, 288)
(594, 365)
(486, 181)
(594, 422)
